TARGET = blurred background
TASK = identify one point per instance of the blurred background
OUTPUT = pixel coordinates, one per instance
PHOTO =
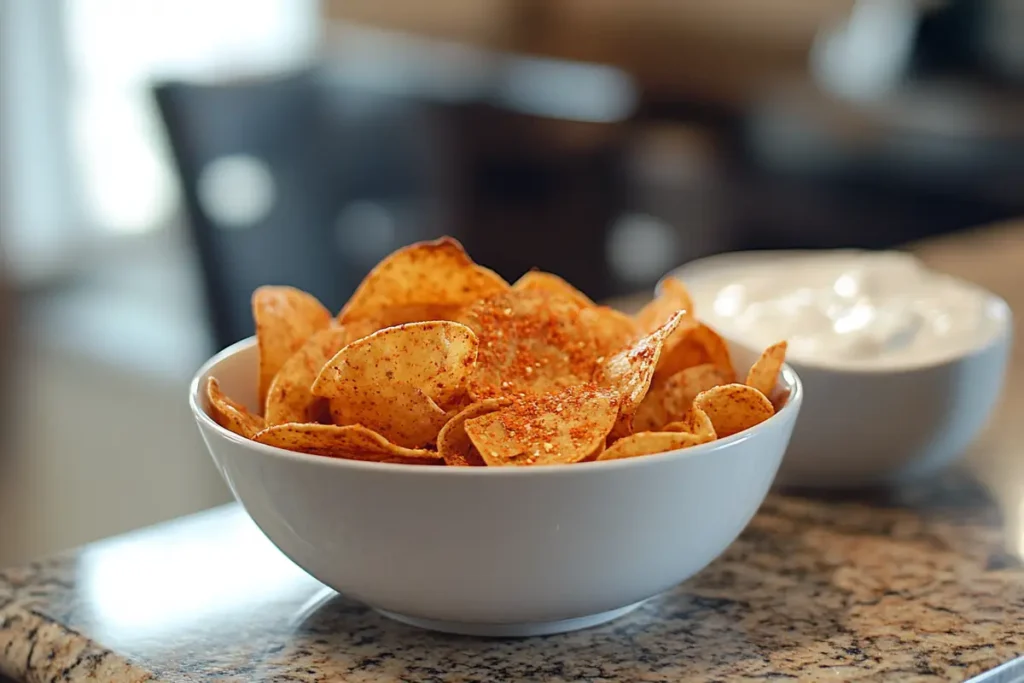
(160, 159)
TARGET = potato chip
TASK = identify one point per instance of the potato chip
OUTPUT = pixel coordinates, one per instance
(695, 422)
(684, 385)
(231, 415)
(352, 442)
(594, 454)
(285, 318)
(530, 342)
(651, 415)
(290, 398)
(733, 408)
(612, 330)
(647, 443)
(682, 388)
(764, 373)
(454, 444)
(423, 281)
(694, 344)
(556, 428)
(628, 373)
(358, 329)
(393, 380)
(435, 357)
(458, 403)
(539, 281)
(401, 413)
(671, 399)
(672, 297)
(779, 399)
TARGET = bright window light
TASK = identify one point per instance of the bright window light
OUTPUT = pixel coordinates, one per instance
(116, 48)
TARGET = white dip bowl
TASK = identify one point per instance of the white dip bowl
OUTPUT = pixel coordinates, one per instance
(870, 426)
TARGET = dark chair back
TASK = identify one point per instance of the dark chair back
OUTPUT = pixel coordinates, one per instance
(293, 181)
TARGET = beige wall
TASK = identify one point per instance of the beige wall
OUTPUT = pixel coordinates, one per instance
(93, 450)
(668, 45)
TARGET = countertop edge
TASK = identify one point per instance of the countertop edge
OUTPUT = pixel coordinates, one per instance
(36, 649)
(1010, 672)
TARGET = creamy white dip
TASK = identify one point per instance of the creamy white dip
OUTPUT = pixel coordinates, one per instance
(846, 307)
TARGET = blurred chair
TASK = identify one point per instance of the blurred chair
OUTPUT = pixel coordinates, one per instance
(537, 192)
(308, 180)
(291, 181)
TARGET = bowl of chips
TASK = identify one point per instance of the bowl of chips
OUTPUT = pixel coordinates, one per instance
(472, 456)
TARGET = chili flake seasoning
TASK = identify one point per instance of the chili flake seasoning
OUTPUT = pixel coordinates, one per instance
(531, 342)
(562, 426)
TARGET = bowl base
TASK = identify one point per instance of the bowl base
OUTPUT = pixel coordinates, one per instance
(518, 630)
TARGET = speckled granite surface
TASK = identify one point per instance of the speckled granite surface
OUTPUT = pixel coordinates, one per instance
(916, 586)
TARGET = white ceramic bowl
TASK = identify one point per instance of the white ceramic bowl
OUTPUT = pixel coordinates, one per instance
(863, 427)
(509, 551)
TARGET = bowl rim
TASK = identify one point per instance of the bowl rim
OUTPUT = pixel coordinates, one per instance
(999, 310)
(790, 410)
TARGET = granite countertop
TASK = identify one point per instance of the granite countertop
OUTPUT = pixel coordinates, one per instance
(918, 583)
(913, 585)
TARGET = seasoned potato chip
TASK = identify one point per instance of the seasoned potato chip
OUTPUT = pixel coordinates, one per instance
(358, 329)
(695, 422)
(695, 344)
(401, 413)
(352, 442)
(290, 398)
(764, 373)
(435, 357)
(628, 373)
(393, 380)
(779, 399)
(530, 342)
(557, 428)
(682, 388)
(230, 414)
(647, 443)
(733, 408)
(285, 318)
(612, 330)
(458, 403)
(672, 298)
(538, 280)
(454, 444)
(594, 454)
(671, 400)
(423, 281)
(651, 415)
